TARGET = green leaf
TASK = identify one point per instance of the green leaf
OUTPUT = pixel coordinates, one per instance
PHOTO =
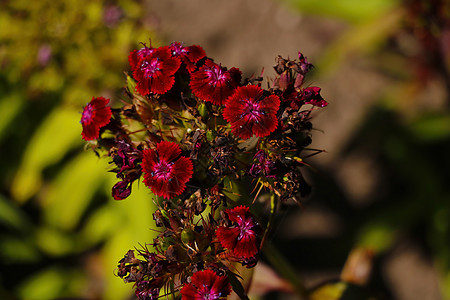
(134, 218)
(377, 236)
(15, 249)
(54, 242)
(236, 285)
(283, 267)
(329, 291)
(350, 10)
(55, 136)
(359, 39)
(445, 283)
(47, 284)
(340, 290)
(431, 127)
(131, 84)
(10, 106)
(12, 216)
(72, 190)
(101, 224)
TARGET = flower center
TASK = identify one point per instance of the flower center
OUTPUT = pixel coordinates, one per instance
(245, 228)
(150, 67)
(207, 294)
(163, 170)
(143, 52)
(216, 74)
(253, 111)
(177, 49)
(87, 115)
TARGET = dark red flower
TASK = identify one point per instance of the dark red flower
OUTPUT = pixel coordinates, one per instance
(242, 237)
(205, 285)
(165, 171)
(127, 157)
(311, 95)
(136, 55)
(95, 115)
(121, 190)
(214, 83)
(154, 71)
(189, 55)
(250, 112)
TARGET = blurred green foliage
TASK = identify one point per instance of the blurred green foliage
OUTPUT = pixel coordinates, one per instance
(353, 11)
(61, 233)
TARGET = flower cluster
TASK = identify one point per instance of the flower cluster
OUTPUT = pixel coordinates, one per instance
(203, 139)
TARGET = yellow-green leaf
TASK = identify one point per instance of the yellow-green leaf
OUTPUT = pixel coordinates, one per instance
(72, 190)
(56, 135)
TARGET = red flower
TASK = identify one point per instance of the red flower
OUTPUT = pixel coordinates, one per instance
(206, 285)
(189, 55)
(95, 115)
(213, 83)
(165, 173)
(136, 55)
(250, 112)
(242, 238)
(311, 95)
(154, 71)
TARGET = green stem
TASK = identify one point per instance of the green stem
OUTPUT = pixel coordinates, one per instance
(276, 259)
(273, 209)
(284, 268)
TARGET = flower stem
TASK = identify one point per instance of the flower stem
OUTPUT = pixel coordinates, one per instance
(284, 268)
(273, 209)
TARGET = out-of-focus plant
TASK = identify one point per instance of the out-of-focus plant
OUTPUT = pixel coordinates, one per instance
(406, 133)
(56, 217)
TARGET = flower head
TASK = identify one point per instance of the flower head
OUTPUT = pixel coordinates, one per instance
(189, 55)
(311, 95)
(206, 285)
(250, 112)
(127, 156)
(95, 115)
(165, 171)
(303, 66)
(263, 165)
(214, 83)
(242, 237)
(121, 190)
(154, 70)
(136, 55)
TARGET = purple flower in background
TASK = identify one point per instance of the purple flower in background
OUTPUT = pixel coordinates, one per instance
(44, 55)
(112, 15)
